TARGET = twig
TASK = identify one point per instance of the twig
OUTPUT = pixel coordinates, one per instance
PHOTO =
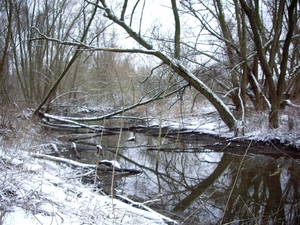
(54, 147)
(75, 150)
(141, 205)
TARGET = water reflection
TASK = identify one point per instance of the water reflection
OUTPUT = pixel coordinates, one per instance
(206, 187)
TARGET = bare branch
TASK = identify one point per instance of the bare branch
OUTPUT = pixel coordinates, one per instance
(132, 12)
(177, 30)
(123, 10)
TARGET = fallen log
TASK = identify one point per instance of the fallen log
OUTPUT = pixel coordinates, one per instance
(66, 123)
(63, 160)
(83, 165)
(120, 170)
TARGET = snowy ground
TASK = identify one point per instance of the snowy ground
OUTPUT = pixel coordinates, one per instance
(38, 191)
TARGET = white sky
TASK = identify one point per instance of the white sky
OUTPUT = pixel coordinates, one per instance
(156, 15)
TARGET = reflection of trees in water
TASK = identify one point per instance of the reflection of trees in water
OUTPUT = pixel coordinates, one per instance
(195, 184)
(260, 194)
(199, 184)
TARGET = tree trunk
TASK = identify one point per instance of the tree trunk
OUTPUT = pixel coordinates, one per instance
(273, 119)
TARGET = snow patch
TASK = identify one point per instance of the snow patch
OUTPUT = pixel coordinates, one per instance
(44, 192)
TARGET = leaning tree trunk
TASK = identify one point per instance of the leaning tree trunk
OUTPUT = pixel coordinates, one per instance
(175, 64)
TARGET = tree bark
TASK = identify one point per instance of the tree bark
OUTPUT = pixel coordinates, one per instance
(292, 17)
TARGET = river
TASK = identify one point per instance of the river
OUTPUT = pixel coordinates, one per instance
(185, 178)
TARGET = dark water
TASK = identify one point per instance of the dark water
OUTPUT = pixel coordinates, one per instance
(195, 185)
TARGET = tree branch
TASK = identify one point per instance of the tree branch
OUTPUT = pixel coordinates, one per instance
(177, 30)
(123, 10)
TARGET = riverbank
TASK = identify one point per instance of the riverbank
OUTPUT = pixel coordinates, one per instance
(39, 191)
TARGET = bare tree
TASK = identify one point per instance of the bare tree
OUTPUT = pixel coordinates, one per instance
(7, 15)
(269, 66)
(255, 37)
(175, 64)
(77, 52)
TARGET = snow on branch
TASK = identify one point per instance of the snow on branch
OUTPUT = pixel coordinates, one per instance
(146, 208)
(71, 121)
(64, 160)
(289, 103)
(83, 165)
(260, 91)
(176, 65)
(110, 15)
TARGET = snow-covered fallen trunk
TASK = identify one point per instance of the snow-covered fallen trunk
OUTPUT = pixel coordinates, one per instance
(83, 165)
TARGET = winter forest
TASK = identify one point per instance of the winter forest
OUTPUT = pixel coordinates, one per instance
(78, 62)
(241, 56)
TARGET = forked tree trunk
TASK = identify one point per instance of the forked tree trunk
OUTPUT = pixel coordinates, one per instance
(276, 91)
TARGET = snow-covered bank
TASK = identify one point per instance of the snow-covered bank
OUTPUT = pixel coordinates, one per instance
(256, 128)
(38, 191)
